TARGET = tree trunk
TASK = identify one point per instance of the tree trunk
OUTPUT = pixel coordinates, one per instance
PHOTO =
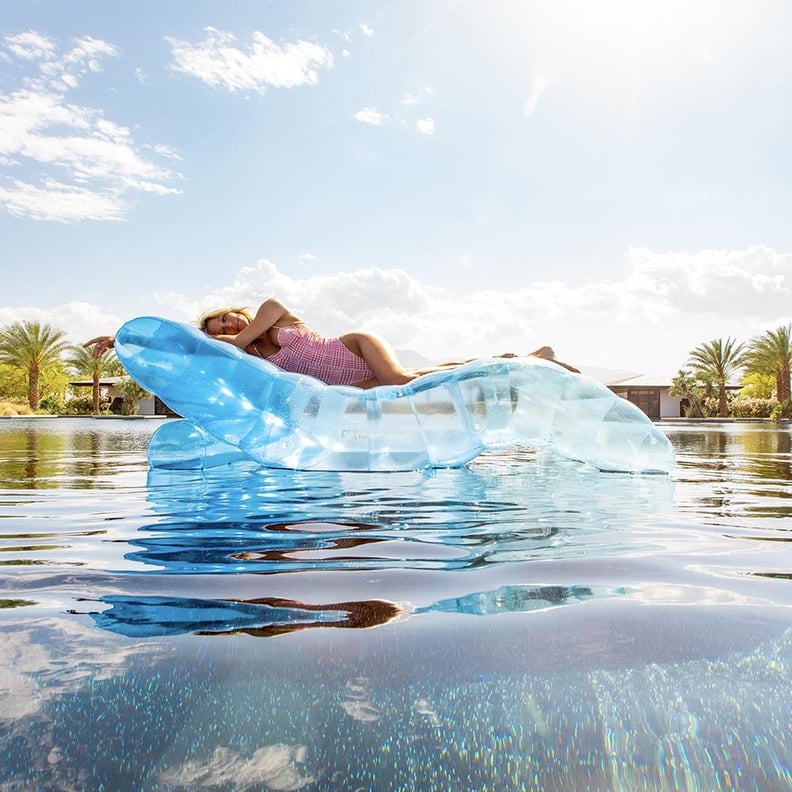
(723, 404)
(782, 385)
(33, 387)
(95, 394)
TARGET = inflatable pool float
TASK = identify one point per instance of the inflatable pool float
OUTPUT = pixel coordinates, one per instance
(237, 406)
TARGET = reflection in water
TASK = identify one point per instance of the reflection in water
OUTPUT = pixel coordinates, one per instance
(746, 469)
(264, 617)
(538, 625)
(48, 453)
(691, 724)
(751, 452)
(15, 603)
(275, 766)
(356, 701)
(252, 520)
(515, 599)
(141, 617)
(26, 457)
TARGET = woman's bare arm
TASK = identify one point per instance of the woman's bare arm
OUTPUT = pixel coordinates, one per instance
(100, 344)
(268, 315)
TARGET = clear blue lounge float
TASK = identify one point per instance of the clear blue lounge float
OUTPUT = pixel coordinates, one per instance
(236, 406)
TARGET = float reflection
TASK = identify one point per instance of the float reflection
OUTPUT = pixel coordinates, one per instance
(145, 617)
(253, 520)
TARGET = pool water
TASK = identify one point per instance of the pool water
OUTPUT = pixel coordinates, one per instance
(521, 623)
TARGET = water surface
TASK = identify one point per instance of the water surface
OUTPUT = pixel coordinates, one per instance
(521, 623)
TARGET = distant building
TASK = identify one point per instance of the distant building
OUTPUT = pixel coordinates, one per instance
(151, 405)
(650, 393)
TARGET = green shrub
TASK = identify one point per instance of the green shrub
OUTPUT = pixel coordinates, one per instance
(83, 405)
(14, 408)
(53, 405)
(751, 408)
(782, 410)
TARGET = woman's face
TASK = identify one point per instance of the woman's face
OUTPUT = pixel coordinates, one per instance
(229, 323)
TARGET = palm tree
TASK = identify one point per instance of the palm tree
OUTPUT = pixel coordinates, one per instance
(33, 347)
(685, 385)
(771, 353)
(718, 360)
(85, 363)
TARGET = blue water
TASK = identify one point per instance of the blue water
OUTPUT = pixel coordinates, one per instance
(521, 623)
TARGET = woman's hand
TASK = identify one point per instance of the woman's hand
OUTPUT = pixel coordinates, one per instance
(100, 344)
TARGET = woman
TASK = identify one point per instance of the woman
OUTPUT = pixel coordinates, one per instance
(281, 337)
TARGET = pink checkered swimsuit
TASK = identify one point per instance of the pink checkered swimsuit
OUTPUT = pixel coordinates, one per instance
(303, 351)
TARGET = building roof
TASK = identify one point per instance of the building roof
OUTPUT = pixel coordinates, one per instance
(642, 381)
(653, 381)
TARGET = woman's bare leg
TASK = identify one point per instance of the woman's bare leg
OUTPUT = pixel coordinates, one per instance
(379, 357)
(387, 370)
(544, 352)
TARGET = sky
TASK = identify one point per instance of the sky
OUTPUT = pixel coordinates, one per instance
(461, 177)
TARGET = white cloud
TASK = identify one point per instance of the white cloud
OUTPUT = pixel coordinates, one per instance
(87, 49)
(53, 200)
(166, 151)
(30, 46)
(366, 30)
(64, 161)
(635, 323)
(425, 125)
(755, 282)
(648, 321)
(369, 115)
(345, 34)
(262, 64)
(538, 85)
(332, 303)
(79, 320)
(409, 99)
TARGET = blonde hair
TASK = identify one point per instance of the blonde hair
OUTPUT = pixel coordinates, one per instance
(207, 317)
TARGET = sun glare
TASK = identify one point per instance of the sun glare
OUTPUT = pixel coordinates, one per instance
(596, 44)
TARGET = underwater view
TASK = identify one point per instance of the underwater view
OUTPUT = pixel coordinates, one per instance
(523, 622)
